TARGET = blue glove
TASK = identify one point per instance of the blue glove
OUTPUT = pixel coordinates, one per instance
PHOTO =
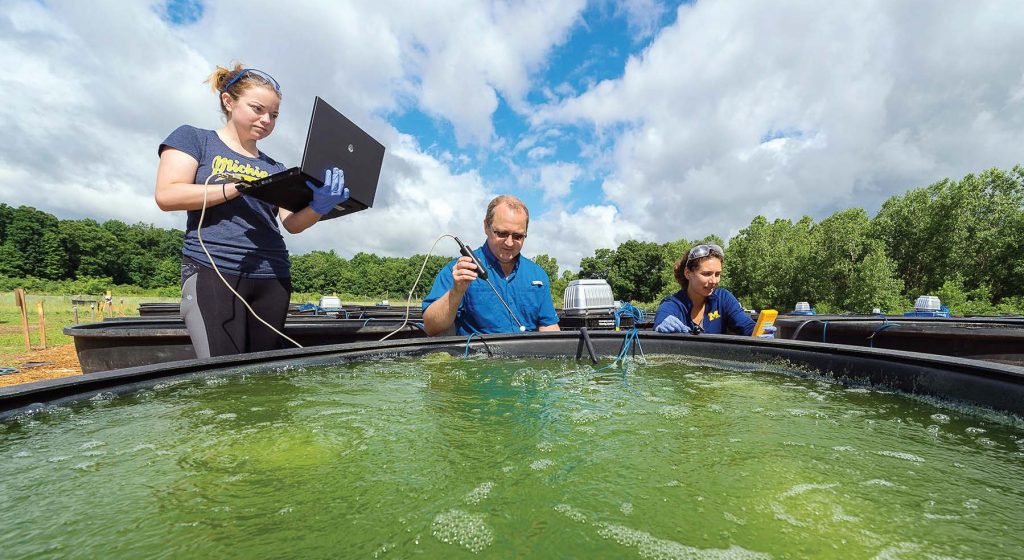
(672, 324)
(769, 332)
(333, 193)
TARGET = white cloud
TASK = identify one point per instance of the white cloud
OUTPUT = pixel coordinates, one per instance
(419, 199)
(92, 88)
(872, 98)
(557, 178)
(540, 152)
(735, 109)
(570, 236)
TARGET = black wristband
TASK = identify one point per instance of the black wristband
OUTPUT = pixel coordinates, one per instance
(224, 191)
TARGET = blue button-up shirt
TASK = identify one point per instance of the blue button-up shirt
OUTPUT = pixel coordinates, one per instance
(526, 290)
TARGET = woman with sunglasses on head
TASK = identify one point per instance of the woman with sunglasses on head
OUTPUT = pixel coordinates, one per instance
(232, 242)
(701, 306)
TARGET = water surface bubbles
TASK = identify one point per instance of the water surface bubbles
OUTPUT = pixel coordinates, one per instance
(649, 546)
(464, 529)
(901, 455)
(674, 412)
(571, 512)
(480, 493)
(541, 464)
(940, 418)
(975, 431)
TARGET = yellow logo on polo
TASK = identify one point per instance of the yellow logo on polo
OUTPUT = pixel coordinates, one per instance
(247, 171)
(713, 315)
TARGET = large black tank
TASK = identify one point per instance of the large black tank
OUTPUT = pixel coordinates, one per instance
(121, 343)
(992, 385)
(997, 339)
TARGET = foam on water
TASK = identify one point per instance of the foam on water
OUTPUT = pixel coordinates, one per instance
(674, 412)
(901, 455)
(667, 463)
(480, 493)
(541, 464)
(571, 512)
(464, 529)
(649, 546)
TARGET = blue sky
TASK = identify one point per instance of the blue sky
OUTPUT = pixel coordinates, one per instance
(636, 119)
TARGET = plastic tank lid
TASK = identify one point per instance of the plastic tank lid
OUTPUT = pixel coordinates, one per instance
(927, 303)
(803, 306)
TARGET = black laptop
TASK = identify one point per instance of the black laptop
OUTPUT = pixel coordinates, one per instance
(332, 141)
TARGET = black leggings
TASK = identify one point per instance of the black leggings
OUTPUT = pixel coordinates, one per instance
(217, 321)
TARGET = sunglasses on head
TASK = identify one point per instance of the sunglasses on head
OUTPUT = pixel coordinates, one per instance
(703, 250)
(258, 74)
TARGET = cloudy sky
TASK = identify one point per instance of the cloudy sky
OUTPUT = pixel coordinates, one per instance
(636, 119)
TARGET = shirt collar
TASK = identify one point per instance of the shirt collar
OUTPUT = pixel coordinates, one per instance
(495, 264)
(684, 296)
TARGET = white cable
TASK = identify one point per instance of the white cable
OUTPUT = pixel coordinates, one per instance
(408, 300)
(199, 234)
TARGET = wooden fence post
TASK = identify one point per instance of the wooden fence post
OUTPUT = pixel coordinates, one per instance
(42, 323)
(19, 297)
(74, 309)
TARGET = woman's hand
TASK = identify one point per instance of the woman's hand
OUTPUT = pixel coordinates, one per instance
(333, 193)
(672, 324)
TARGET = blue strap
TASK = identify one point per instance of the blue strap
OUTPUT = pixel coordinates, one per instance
(882, 327)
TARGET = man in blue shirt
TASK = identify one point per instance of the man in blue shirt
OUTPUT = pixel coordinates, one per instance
(457, 300)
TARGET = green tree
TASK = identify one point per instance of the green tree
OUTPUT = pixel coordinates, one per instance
(549, 264)
(26, 234)
(558, 286)
(598, 266)
(317, 272)
(635, 273)
(874, 284)
(837, 244)
(765, 263)
(91, 249)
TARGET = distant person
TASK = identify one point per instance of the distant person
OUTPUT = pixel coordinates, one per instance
(701, 306)
(240, 233)
(459, 299)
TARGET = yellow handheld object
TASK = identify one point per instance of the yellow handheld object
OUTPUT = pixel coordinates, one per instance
(764, 319)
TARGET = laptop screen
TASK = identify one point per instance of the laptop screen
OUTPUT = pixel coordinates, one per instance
(335, 141)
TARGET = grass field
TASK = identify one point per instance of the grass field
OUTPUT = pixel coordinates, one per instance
(59, 312)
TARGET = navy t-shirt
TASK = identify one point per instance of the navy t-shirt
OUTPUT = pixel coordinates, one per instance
(723, 313)
(526, 291)
(241, 235)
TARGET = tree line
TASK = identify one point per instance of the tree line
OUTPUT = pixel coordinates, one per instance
(961, 240)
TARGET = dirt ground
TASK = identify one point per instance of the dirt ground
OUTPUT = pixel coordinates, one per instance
(51, 363)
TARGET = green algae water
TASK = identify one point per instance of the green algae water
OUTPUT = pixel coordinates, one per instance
(441, 457)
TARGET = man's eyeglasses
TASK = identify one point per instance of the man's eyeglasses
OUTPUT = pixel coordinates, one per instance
(703, 250)
(258, 74)
(506, 234)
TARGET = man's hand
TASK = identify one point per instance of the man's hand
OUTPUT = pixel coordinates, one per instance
(463, 273)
